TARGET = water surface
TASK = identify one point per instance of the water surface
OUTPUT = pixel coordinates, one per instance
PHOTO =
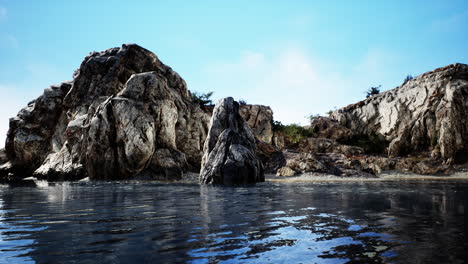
(301, 222)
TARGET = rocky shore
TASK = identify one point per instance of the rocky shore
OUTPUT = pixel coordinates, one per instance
(127, 115)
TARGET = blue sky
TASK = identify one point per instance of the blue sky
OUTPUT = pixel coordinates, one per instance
(299, 57)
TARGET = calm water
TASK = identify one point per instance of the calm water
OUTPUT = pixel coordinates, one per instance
(148, 222)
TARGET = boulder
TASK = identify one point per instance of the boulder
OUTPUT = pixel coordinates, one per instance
(285, 172)
(425, 114)
(324, 127)
(327, 163)
(125, 113)
(230, 149)
(324, 145)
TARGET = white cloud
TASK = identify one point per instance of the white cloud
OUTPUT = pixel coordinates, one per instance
(294, 83)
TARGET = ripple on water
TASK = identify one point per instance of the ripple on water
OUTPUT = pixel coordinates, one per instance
(338, 222)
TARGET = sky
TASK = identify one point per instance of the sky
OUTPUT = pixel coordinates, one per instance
(298, 57)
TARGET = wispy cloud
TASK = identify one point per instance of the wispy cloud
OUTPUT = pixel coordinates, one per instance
(295, 83)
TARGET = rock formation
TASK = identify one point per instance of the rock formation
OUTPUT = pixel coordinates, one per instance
(124, 114)
(325, 127)
(425, 114)
(260, 119)
(230, 150)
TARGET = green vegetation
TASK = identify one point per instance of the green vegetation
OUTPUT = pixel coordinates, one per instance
(331, 111)
(202, 99)
(408, 77)
(312, 117)
(372, 144)
(373, 91)
(293, 133)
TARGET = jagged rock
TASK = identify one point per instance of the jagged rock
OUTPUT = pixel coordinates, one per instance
(5, 166)
(260, 119)
(285, 172)
(302, 162)
(3, 156)
(229, 150)
(272, 157)
(125, 113)
(427, 113)
(324, 127)
(431, 167)
(31, 132)
(323, 145)
(327, 163)
(279, 140)
(419, 165)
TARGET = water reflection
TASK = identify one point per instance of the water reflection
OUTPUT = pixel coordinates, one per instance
(371, 222)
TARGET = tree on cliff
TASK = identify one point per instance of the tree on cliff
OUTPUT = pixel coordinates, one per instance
(409, 77)
(373, 91)
(202, 98)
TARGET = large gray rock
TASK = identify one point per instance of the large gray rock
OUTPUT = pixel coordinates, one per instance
(31, 134)
(229, 151)
(124, 114)
(260, 119)
(425, 114)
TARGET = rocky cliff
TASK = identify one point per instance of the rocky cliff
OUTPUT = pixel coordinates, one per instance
(427, 114)
(125, 114)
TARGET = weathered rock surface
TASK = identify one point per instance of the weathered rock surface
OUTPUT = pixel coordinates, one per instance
(325, 145)
(325, 127)
(230, 150)
(271, 156)
(3, 156)
(286, 172)
(260, 119)
(328, 163)
(427, 113)
(125, 113)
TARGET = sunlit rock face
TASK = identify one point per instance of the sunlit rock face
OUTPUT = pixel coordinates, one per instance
(124, 114)
(230, 149)
(260, 119)
(426, 114)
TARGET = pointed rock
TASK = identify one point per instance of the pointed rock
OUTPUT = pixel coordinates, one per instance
(229, 151)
